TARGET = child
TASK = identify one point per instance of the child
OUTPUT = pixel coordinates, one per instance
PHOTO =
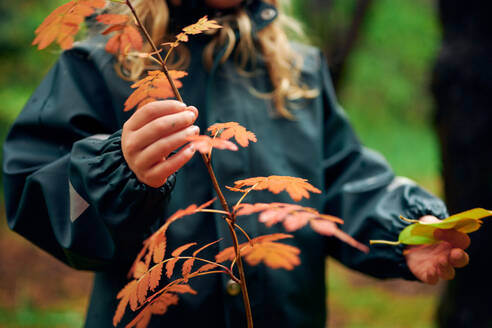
(88, 182)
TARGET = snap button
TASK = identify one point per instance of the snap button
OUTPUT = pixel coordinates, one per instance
(268, 13)
(233, 288)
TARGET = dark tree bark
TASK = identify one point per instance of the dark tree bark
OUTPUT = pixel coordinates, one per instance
(337, 42)
(462, 87)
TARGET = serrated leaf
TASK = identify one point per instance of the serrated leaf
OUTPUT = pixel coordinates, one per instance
(204, 143)
(203, 24)
(154, 85)
(155, 276)
(265, 249)
(64, 22)
(233, 129)
(297, 188)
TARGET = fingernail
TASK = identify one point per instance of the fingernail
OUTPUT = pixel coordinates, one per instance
(182, 104)
(194, 110)
(195, 129)
(191, 149)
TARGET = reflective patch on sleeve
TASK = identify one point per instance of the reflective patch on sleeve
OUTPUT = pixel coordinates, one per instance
(100, 136)
(400, 181)
(77, 204)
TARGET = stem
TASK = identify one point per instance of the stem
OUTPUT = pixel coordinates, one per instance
(230, 225)
(215, 183)
(207, 210)
(244, 289)
(408, 220)
(154, 47)
(386, 242)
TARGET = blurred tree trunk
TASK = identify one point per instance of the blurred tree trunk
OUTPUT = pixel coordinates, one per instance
(462, 87)
(337, 37)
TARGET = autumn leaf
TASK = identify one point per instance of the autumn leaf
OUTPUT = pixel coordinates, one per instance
(233, 129)
(64, 22)
(155, 276)
(159, 305)
(129, 291)
(294, 217)
(126, 37)
(155, 246)
(421, 233)
(203, 24)
(204, 143)
(176, 253)
(265, 249)
(112, 19)
(297, 188)
(330, 229)
(153, 87)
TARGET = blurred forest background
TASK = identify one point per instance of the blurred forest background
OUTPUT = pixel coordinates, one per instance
(385, 90)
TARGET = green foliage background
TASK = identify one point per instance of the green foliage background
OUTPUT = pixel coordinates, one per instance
(385, 93)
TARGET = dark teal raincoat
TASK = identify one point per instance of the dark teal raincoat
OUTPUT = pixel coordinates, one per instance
(69, 191)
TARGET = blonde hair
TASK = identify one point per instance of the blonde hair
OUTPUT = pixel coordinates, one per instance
(282, 62)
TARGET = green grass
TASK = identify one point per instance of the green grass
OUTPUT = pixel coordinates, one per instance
(373, 304)
(29, 317)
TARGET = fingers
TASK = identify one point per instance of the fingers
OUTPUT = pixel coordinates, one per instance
(162, 127)
(444, 268)
(458, 258)
(160, 149)
(157, 175)
(153, 110)
(455, 238)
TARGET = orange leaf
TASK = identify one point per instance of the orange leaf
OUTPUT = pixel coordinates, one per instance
(292, 216)
(297, 188)
(233, 129)
(112, 19)
(124, 297)
(142, 287)
(155, 276)
(202, 25)
(204, 143)
(140, 269)
(265, 249)
(206, 267)
(177, 252)
(330, 229)
(181, 289)
(160, 305)
(154, 85)
(64, 22)
(187, 265)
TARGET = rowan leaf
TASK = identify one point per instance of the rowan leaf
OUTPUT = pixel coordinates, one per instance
(143, 287)
(140, 269)
(265, 249)
(155, 86)
(297, 188)
(233, 129)
(160, 305)
(186, 270)
(124, 297)
(112, 19)
(204, 143)
(206, 267)
(203, 24)
(330, 229)
(64, 22)
(155, 276)
(172, 262)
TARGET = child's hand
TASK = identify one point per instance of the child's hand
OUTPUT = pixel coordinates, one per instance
(431, 262)
(152, 133)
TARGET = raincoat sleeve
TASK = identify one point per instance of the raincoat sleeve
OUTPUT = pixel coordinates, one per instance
(362, 190)
(67, 186)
